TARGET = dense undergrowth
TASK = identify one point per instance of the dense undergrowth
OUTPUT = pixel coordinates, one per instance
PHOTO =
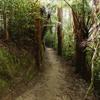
(15, 65)
(18, 40)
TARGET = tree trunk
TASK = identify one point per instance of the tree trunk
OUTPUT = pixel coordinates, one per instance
(80, 37)
(38, 43)
(59, 31)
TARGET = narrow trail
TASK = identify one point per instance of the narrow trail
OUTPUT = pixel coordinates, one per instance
(58, 82)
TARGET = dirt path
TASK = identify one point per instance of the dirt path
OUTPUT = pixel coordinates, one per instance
(58, 82)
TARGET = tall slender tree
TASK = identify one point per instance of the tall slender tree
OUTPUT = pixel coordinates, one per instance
(59, 30)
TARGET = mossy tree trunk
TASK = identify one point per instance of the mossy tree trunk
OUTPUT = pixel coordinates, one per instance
(41, 27)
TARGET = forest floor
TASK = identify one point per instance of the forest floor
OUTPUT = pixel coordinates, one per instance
(57, 82)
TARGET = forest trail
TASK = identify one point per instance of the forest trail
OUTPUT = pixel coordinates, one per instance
(57, 82)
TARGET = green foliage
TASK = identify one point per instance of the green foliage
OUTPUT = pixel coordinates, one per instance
(21, 15)
(68, 41)
(15, 65)
(68, 47)
(22, 21)
(51, 40)
(6, 63)
(79, 6)
(84, 11)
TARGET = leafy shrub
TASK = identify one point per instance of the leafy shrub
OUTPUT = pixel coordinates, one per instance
(68, 47)
(51, 40)
(15, 65)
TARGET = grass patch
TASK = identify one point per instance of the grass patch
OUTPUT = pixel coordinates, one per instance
(15, 66)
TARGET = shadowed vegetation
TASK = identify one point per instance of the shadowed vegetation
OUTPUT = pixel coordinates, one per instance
(71, 28)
